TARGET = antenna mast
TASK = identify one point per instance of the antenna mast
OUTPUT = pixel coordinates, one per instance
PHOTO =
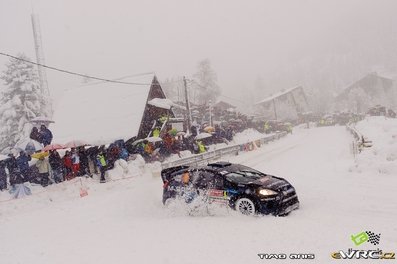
(40, 60)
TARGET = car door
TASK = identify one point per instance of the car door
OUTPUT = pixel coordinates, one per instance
(217, 192)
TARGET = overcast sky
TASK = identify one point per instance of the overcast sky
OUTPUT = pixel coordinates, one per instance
(243, 39)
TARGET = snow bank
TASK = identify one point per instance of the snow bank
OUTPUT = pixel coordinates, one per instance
(124, 221)
(381, 158)
(247, 135)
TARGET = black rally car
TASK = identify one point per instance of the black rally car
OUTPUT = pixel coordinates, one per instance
(242, 188)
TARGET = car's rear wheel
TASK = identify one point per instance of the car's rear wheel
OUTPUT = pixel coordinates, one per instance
(245, 206)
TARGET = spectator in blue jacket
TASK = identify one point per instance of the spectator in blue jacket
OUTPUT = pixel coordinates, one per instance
(56, 166)
(3, 176)
(13, 170)
(45, 135)
(23, 164)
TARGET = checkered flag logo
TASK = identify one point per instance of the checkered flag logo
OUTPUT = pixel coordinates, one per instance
(373, 238)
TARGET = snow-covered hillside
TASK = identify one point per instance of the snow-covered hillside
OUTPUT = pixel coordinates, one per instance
(124, 221)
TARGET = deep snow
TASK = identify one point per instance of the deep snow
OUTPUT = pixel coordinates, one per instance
(123, 221)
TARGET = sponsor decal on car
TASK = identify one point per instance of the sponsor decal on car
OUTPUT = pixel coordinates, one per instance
(218, 196)
(222, 196)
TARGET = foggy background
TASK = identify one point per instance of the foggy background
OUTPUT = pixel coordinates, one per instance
(256, 47)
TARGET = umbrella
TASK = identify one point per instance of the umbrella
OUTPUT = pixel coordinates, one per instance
(202, 136)
(53, 147)
(137, 141)
(41, 119)
(153, 139)
(209, 129)
(28, 145)
(39, 155)
(75, 143)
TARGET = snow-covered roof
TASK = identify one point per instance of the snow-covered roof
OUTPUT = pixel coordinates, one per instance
(269, 99)
(164, 103)
(223, 104)
(367, 83)
(103, 112)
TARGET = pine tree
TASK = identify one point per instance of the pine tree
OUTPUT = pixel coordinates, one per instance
(20, 101)
(206, 76)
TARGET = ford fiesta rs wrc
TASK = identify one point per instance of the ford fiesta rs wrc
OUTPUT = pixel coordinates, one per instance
(242, 188)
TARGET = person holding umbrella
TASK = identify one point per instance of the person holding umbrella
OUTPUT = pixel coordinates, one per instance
(35, 135)
(84, 168)
(46, 135)
(67, 163)
(75, 163)
(3, 175)
(56, 166)
(13, 170)
(23, 164)
(44, 171)
(92, 152)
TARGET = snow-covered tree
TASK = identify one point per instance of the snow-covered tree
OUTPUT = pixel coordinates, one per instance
(206, 77)
(20, 101)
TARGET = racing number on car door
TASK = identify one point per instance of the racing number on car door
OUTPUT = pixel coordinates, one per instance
(217, 196)
(218, 193)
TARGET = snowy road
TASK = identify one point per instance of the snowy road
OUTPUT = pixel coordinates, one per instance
(125, 222)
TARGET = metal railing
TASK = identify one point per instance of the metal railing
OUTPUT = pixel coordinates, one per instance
(360, 141)
(204, 158)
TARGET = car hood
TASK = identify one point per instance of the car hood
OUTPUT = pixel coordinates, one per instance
(271, 182)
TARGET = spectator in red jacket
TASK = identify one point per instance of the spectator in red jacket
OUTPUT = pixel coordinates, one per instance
(67, 162)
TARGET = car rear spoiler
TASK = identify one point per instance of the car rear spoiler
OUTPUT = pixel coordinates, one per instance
(166, 173)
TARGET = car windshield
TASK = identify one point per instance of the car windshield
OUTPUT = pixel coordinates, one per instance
(244, 176)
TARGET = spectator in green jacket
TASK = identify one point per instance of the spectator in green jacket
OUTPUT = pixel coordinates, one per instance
(101, 163)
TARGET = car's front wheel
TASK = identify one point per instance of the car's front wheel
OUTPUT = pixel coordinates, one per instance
(245, 206)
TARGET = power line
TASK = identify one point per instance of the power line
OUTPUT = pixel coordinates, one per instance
(118, 79)
(72, 73)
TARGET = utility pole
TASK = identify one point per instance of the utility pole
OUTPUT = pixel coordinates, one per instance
(210, 108)
(189, 116)
(41, 70)
(274, 108)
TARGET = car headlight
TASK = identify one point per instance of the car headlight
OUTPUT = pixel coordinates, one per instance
(267, 192)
